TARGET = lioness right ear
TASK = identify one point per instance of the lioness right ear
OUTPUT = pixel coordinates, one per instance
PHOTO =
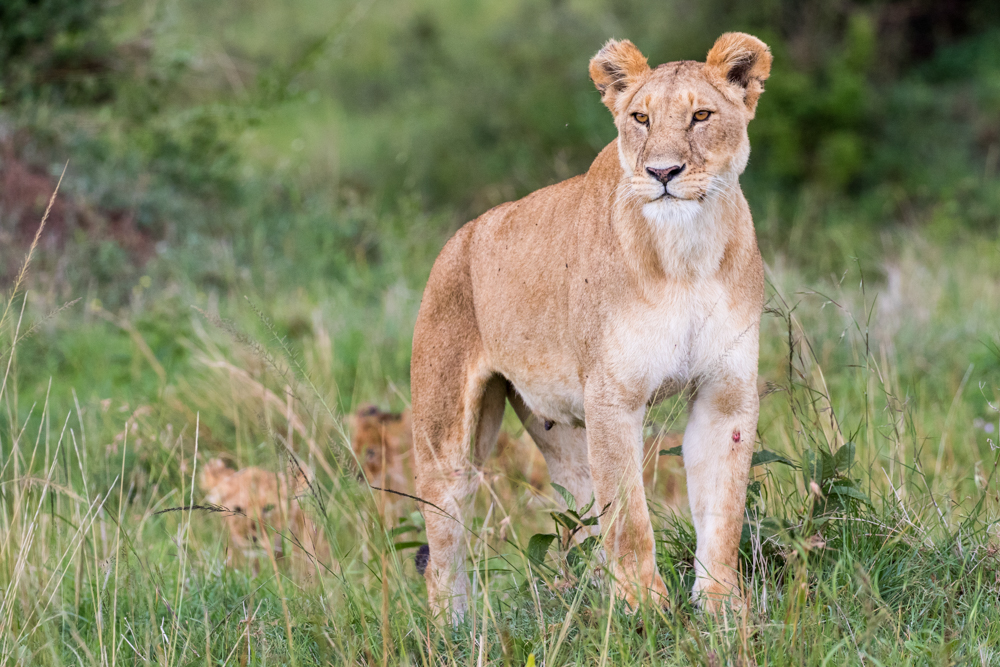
(739, 63)
(616, 67)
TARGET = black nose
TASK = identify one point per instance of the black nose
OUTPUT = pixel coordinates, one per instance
(666, 175)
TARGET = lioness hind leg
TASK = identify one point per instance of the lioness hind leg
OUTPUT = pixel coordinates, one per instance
(447, 478)
(446, 482)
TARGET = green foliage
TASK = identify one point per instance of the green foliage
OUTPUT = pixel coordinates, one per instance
(54, 49)
(764, 457)
(347, 147)
(538, 545)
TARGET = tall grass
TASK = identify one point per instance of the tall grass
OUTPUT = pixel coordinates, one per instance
(872, 540)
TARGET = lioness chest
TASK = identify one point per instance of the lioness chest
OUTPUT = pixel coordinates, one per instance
(647, 347)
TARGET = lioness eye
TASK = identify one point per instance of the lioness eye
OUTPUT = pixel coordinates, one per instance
(701, 115)
(641, 117)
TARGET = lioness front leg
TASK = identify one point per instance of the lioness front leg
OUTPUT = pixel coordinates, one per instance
(614, 443)
(718, 445)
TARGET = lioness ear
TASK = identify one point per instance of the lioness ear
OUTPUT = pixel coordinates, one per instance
(740, 63)
(616, 67)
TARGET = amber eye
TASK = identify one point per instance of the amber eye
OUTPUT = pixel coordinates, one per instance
(641, 117)
(701, 115)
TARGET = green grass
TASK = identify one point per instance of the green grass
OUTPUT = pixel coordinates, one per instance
(91, 574)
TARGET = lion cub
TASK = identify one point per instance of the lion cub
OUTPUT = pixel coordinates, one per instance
(262, 515)
(383, 444)
(663, 476)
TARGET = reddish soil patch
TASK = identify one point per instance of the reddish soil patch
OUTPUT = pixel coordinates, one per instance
(25, 191)
(24, 194)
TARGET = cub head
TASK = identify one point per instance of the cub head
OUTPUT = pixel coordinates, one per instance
(682, 127)
(380, 440)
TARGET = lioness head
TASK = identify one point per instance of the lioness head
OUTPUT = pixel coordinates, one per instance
(682, 127)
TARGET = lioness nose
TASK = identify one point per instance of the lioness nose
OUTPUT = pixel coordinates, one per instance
(666, 175)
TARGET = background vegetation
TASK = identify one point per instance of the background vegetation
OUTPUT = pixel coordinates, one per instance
(255, 193)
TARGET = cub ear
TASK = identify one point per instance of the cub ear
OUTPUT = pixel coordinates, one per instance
(212, 473)
(617, 66)
(357, 419)
(740, 63)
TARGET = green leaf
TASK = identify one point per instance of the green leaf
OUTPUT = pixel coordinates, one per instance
(538, 546)
(586, 508)
(829, 469)
(763, 457)
(568, 520)
(566, 495)
(402, 530)
(850, 492)
(745, 536)
(399, 546)
(813, 469)
(673, 451)
(844, 457)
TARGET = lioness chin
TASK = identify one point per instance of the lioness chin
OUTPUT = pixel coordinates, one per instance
(634, 281)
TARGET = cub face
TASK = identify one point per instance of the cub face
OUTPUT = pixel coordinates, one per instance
(682, 127)
(382, 441)
(259, 505)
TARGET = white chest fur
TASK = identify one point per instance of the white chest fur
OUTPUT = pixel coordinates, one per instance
(689, 334)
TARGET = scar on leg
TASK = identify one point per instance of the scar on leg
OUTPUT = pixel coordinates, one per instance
(736, 436)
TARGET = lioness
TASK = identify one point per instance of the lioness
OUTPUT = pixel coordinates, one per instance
(633, 281)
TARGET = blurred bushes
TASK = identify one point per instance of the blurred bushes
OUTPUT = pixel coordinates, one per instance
(877, 113)
(55, 49)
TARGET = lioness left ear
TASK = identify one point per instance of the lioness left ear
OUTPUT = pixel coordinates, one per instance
(740, 63)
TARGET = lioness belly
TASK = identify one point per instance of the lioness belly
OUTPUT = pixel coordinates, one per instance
(552, 402)
(551, 390)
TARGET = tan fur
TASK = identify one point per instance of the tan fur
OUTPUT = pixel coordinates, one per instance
(633, 281)
(260, 515)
